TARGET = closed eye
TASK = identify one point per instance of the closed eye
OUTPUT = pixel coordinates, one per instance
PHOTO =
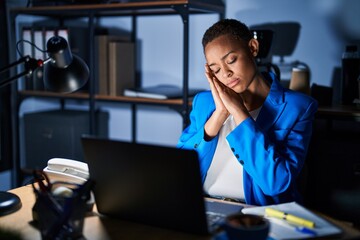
(215, 71)
(232, 60)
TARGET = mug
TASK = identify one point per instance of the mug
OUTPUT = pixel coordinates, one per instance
(300, 80)
(246, 226)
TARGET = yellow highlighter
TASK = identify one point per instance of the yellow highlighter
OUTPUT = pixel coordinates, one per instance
(270, 212)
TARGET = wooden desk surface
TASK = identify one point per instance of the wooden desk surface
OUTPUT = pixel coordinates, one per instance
(350, 112)
(97, 227)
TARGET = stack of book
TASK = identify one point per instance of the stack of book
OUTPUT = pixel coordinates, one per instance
(115, 64)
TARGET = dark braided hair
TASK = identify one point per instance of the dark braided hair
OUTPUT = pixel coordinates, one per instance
(233, 27)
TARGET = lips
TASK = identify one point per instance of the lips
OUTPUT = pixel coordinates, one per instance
(233, 83)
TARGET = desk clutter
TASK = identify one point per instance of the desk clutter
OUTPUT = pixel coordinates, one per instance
(296, 222)
(62, 193)
(60, 207)
(97, 226)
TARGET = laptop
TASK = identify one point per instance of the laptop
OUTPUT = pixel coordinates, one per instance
(150, 184)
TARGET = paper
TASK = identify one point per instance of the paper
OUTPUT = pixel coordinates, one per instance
(280, 229)
(161, 91)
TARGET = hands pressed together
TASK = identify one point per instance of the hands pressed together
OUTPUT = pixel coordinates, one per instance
(227, 102)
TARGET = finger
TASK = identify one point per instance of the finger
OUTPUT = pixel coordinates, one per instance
(213, 87)
(207, 68)
(223, 86)
(208, 73)
(213, 82)
(217, 85)
(210, 78)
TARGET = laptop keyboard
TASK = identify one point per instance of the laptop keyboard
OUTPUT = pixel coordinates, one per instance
(214, 220)
(217, 211)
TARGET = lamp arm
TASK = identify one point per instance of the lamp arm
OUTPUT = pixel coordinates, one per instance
(30, 65)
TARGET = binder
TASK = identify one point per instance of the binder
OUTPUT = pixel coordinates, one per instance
(49, 33)
(38, 40)
(38, 51)
(27, 51)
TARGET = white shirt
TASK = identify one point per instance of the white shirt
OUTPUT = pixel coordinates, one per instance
(225, 175)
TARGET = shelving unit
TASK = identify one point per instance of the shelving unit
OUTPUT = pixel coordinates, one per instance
(94, 11)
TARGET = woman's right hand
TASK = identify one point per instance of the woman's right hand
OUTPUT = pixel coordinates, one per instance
(217, 119)
(220, 107)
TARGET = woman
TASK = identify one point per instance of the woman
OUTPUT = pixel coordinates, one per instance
(251, 134)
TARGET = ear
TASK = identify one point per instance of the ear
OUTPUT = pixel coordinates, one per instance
(254, 47)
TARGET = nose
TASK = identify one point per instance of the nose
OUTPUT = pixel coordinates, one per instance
(227, 73)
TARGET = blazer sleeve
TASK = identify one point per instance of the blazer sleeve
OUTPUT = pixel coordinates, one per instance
(193, 136)
(274, 157)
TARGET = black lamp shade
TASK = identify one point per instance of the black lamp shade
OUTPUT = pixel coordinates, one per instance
(68, 79)
(65, 72)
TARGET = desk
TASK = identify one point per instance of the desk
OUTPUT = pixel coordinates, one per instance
(97, 227)
(339, 112)
(333, 160)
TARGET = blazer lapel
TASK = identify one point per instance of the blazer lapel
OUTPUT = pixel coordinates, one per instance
(273, 106)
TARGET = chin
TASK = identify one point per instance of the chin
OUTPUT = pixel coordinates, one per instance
(239, 89)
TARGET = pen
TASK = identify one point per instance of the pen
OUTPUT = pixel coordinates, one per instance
(300, 229)
(305, 230)
(289, 217)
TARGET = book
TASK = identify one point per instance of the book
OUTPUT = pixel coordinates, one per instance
(281, 229)
(101, 70)
(161, 91)
(49, 33)
(121, 67)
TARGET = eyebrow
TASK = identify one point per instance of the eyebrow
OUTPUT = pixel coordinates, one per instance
(212, 64)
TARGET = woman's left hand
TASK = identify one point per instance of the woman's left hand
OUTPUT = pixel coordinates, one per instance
(232, 101)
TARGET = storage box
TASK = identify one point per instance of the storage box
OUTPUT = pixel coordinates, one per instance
(57, 133)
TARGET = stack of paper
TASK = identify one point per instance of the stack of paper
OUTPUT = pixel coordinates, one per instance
(161, 91)
(280, 229)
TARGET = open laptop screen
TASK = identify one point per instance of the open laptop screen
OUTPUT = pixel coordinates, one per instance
(155, 185)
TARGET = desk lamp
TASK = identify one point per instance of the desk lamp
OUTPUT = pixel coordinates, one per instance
(63, 72)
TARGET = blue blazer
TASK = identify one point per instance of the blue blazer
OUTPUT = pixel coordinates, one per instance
(271, 149)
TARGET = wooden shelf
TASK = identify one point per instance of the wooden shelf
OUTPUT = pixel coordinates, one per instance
(86, 96)
(182, 8)
(32, 93)
(177, 101)
(122, 9)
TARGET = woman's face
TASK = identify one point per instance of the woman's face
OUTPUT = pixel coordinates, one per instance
(232, 61)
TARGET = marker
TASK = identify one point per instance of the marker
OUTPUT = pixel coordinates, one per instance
(288, 217)
(305, 230)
